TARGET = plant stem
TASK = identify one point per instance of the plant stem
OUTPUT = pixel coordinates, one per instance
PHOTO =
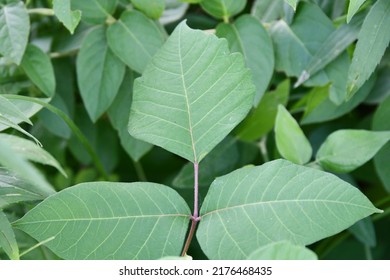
(36, 246)
(367, 251)
(195, 217)
(263, 148)
(41, 11)
(140, 171)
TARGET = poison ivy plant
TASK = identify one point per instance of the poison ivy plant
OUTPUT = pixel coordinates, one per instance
(238, 119)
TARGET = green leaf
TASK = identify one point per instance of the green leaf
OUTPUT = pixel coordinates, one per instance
(70, 19)
(256, 206)
(14, 31)
(292, 3)
(290, 140)
(223, 9)
(25, 170)
(9, 110)
(191, 95)
(353, 7)
(283, 250)
(135, 39)
(373, 40)
(39, 69)
(99, 72)
(381, 159)
(267, 10)
(151, 8)
(10, 124)
(94, 11)
(261, 120)
(102, 220)
(135, 148)
(364, 231)
(248, 36)
(30, 151)
(14, 189)
(346, 150)
(7, 238)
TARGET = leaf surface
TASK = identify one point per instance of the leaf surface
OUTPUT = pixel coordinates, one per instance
(7, 238)
(223, 9)
(99, 72)
(94, 11)
(256, 206)
(102, 220)
(14, 31)
(353, 7)
(9, 110)
(283, 250)
(151, 8)
(70, 19)
(346, 150)
(191, 95)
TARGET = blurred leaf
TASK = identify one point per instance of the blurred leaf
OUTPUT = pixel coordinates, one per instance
(14, 31)
(29, 150)
(283, 250)
(135, 148)
(39, 69)
(99, 72)
(174, 11)
(14, 189)
(346, 150)
(261, 120)
(101, 220)
(381, 89)
(353, 7)
(135, 39)
(292, 3)
(191, 95)
(373, 40)
(9, 110)
(94, 11)
(70, 19)
(381, 159)
(223, 9)
(290, 140)
(274, 202)
(7, 238)
(364, 231)
(248, 36)
(10, 124)
(151, 8)
(267, 10)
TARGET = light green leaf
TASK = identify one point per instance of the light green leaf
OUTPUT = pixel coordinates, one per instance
(190, 1)
(373, 40)
(30, 151)
(151, 8)
(14, 31)
(255, 206)
(191, 95)
(39, 69)
(290, 140)
(135, 39)
(283, 250)
(10, 124)
(292, 3)
(7, 238)
(364, 231)
(99, 72)
(9, 110)
(25, 170)
(223, 9)
(353, 7)
(102, 220)
(94, 11)
(248, 36)
(267, 10)
(135, 148)
(174, 11)
(346, 150)
(381, 159)
(14, 189)
(70, 19)
(261, 120)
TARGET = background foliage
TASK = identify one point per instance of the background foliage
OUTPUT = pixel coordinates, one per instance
(319, 71)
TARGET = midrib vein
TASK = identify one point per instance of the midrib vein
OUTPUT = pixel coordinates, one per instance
(187, 101)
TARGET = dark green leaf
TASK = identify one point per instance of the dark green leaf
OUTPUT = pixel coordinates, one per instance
(353, 7)
(7, 238)
(135, 39)
(248, 36)
(292, 3)
(102, 220)
(94, 11)
(99, 72)
(267, 10)
(191, 95)
(364, 231)
(256, 206)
